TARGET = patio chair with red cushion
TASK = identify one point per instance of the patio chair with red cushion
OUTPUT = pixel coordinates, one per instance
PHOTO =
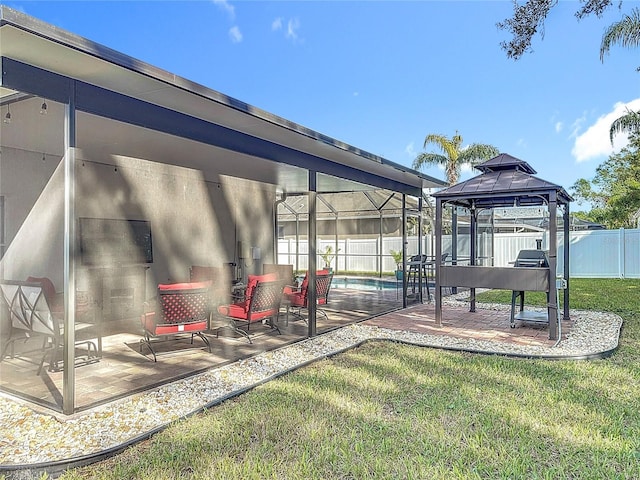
(297, 297)
(181, 308)
(261, 303)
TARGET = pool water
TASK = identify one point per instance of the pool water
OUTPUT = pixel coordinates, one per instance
(365, 283)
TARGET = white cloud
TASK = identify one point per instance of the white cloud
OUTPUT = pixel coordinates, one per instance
(594, 142)
(226, 6)
(411, 150)
(558, 126)
(577, 125)
(466, 168)
(292, 29)
(235, 34)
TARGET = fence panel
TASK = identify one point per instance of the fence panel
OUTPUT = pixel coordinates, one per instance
(632, 253)
(594, 254)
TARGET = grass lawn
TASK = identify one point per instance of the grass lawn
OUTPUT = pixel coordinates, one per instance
(387, 411)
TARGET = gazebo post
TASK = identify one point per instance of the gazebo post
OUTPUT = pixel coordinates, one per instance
(404, 251)
(567, 217)
(552, 308)
(438, 264)
(473, 231)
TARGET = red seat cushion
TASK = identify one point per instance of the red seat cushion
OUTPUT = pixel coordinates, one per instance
(148, 321)
(297, 299)
(235, 310)
(255, 316)
(183, 286)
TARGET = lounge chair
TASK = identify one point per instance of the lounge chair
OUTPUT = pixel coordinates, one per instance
(261, 303)
(181, 308)
(32, 318)
(297, 297)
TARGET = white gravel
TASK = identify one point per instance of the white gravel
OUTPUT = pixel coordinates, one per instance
(29, 437)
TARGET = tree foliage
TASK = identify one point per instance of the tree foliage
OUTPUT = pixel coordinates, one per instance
(528, 20)
(626, 33)
(629, 123)
(614, 191)
(453, 156)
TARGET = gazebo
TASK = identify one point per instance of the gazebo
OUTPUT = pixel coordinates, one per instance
(505, 181)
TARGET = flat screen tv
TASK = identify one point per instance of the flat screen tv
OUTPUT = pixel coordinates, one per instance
(112, 242)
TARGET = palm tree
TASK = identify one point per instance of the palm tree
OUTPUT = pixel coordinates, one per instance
(629, 122)
(626, 32)
(454, 156)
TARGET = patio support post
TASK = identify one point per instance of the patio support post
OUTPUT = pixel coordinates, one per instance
(68, 351)
(567, 242)
(437, 263)
(454, 240)
(552, 308)
(276, 223)
(404, 251)
(312, 254)
(420, 250)
(297, 242)
(336, 240)
(473, 231)
(380, 252)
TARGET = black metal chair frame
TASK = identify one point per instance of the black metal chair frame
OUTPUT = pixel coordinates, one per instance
(31, 317)
(264, 305)
(176, 310)
(323, 285)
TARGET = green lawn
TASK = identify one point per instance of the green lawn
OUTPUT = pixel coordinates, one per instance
(389, 411)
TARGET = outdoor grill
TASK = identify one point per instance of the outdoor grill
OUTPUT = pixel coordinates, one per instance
(528, 259)
(532, 258)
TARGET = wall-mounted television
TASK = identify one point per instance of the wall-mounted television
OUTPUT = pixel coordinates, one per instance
(112, 242)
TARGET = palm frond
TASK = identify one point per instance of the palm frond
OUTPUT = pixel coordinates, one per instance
(445, 144)
(630, 123)
(626, 32)
(429, 159)
(477, 153)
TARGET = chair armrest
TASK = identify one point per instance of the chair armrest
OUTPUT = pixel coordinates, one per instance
(291, 289)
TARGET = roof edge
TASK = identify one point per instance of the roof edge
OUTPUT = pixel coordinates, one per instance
(45, 30)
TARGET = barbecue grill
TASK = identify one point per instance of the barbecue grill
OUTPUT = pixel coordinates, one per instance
(529, 259)
(532, 258)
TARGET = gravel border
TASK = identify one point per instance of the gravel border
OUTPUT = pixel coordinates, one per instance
(35, 440)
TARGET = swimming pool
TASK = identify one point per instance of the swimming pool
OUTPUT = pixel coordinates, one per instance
(362, 283)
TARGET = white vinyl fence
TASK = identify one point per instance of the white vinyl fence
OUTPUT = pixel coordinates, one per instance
(593, 254)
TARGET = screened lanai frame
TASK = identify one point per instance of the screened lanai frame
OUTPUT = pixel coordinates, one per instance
(382, 210)
(88, 87)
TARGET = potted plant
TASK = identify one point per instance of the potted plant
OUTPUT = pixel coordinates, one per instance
(397, 257)
(328, 256)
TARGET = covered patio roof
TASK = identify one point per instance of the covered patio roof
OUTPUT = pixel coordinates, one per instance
(248, 131)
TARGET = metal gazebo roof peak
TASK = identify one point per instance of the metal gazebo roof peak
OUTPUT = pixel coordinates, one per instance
(504, 161)
(505, 181)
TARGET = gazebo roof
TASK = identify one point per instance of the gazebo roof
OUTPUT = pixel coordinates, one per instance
(505, 181)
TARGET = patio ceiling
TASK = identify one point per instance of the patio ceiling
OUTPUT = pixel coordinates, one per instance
(33, 42)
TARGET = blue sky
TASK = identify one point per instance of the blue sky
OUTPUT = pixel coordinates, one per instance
(380, 75)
